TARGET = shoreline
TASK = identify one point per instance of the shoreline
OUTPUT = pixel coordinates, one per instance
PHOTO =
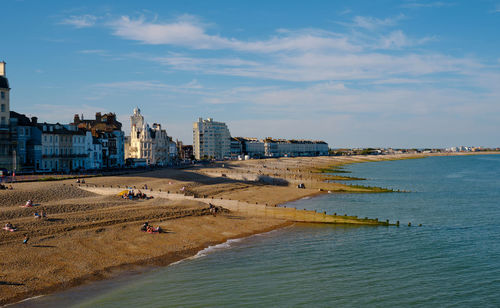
(137, 268)
(225, 190)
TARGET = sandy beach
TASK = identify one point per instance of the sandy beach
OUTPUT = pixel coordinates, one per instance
(88, 236)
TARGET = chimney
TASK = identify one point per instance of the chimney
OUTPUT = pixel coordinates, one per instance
(34, 120)
(2, 69)
(76, 119)
(98, 117)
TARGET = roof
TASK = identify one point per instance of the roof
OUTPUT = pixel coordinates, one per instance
(4, 82)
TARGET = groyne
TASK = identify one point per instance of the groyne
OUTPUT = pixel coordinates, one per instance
(258, 210)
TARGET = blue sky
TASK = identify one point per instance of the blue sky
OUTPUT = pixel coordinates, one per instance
(353, 73)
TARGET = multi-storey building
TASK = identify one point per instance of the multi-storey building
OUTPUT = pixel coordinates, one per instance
(211, 139)
(63, 147)
(28, 140)
(269, 147)
(109, 133)
(281, 147)
(94, 152)
(7, 137)
(149, 143)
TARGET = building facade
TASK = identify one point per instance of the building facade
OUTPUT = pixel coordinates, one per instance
(108, 132)
(293, 148)
(211, 139)
(149, 143)
(8, 146)
(28, 141)
(269, 147)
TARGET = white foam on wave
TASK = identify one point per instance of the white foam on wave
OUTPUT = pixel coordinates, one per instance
(226, 245)
(24, 300)
(210, 249)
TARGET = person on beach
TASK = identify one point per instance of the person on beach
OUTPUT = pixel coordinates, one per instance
(145, 226)
(9, 227)
(29, 203)
(26, 239)
(213, 209)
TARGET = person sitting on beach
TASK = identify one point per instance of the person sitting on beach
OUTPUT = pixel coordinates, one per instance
(26, 239)
(145, 226)
(83, 181)
(159, 229)
(36, 215)
(9, 227)
(29, 203)
(78, 181)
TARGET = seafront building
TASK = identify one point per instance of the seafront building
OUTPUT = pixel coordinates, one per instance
(151, 144)
(28, 143)
(270, 147)
(108, 132)
(211, 139)
(8, 155)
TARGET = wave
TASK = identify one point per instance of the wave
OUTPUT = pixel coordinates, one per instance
(24, 300)
(222, 246)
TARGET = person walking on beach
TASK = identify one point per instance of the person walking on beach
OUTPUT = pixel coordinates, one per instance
(26, 239)
(213, 209)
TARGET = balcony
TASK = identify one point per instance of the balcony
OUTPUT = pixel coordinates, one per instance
(64, 155)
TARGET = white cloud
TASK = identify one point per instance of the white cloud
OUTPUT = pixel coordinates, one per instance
(93, 51)
(80, 21)
(397, 40)
(193, 35)
(372, 23)
(325, 66)
(416, 4)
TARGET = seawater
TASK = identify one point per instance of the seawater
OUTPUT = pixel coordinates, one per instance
(452, 260)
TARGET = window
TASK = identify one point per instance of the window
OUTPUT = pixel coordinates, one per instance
(2, 94)
(3, 122)
(3, 108)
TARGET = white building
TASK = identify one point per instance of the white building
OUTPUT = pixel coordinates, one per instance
(280, 147)
(94, 152)
(63, 148)
(6, 146)
(211, 139)
(150, 143)
(269, 147)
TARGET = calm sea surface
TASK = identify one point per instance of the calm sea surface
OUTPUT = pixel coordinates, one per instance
(452, 260)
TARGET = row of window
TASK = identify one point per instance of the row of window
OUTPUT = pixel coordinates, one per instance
(78, 139)
(64, 151)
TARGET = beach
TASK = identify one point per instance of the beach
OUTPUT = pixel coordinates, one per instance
(89, 235)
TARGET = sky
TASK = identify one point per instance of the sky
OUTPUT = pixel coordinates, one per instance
(368, 73)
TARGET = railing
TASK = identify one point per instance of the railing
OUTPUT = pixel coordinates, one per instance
(64, 155)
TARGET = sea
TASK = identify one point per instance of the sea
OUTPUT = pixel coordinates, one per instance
(451, 260)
